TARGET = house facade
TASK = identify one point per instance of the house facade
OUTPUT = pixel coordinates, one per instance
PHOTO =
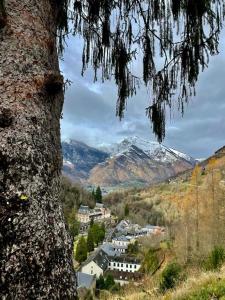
(92, 269)
(121, 241)
(96, 264)
(124, 264)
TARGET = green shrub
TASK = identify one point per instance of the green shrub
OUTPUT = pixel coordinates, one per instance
(151, 262)
(109, 282)
(170, 276)
(100, 283)
(216, 259)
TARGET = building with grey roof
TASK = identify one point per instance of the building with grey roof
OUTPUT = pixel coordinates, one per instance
(86, 285)
(110, 249)
(124, 264)
(85, 280)
(96, 264)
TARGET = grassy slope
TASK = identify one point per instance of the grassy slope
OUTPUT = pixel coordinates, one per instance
(200, 286)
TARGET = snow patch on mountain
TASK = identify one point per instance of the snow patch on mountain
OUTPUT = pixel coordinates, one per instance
(155, 150)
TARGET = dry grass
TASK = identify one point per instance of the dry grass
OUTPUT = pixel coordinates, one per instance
(198, 286)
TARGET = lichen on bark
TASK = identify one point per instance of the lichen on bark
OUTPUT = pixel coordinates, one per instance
(35, 249)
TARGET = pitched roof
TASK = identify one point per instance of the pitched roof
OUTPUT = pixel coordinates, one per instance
(121, 238)
(109, 249)
(125, 259)
(84, 280)
(100, 258)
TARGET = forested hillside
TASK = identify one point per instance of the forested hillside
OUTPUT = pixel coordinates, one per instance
(192, 206)
(193, 203)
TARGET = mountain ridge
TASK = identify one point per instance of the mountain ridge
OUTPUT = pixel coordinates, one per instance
(132, 162)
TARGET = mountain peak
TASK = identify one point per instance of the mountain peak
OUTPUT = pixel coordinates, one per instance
(133, 161)
(155, 150)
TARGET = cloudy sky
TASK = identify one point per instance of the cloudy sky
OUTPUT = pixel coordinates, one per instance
(89, 110)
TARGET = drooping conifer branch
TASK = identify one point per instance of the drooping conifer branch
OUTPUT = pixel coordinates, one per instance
(184, 33)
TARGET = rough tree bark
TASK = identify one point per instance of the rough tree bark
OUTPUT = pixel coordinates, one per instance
(35, 250)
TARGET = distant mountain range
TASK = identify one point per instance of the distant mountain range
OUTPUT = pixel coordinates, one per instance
(132, 162)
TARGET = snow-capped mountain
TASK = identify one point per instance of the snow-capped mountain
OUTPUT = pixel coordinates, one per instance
(132, 162)
(155, 150)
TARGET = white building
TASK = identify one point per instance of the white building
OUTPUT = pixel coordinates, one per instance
(96, 264)
(121, 241)
(99, 213)
(124, 264)
(119, 249)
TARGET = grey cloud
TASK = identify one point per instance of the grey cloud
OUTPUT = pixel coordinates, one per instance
(89, 110)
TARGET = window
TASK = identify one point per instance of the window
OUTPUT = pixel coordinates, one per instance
(135, 266)
(114, 264)
(127, 266)
(118, 265)
(130, 266)
(121, 265)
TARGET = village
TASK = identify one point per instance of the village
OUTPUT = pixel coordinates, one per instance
(113, 258)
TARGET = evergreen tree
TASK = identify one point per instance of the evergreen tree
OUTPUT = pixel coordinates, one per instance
(98, 195)
(93, 195)
(91, 222)
(98, 233)
(74, 228)
(95, 231)
(72, 222)
(109, 282)
(81, 251)
(102, 232)
(90, 241)
(100, 283)
(126, 210)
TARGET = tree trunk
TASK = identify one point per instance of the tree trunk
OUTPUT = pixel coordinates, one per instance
(35, 250)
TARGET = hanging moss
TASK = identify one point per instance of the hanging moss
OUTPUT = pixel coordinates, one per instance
(61, 7)
(186, 32)
(2, 14)
(183, 32)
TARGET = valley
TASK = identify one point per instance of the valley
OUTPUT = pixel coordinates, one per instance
(188, 210)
